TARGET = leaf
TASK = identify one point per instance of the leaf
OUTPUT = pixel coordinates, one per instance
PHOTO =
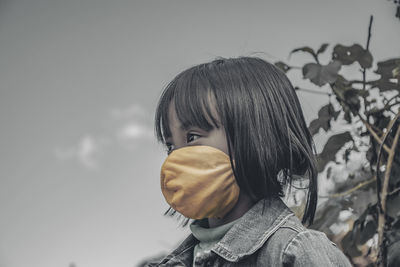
(393, 205)
(349, 95)
(328, 173)
(341, 85)
(364, 228)
(341, 82)
(321, 74)
(393, 254)
(389, 71)
(332, 146)
(384, 84)
(306, 49)
(314, 127)
(285, 68)
(349, 246)
(325, 114)
(346, 154)
(352, 99)
(398, 16)
(327, 216)
(367, 232)
(389, 68)
(395, 171)
(322, 48)
(349, 54)
(365, 59)
(345, 54)
(371, 155)
(347, 116)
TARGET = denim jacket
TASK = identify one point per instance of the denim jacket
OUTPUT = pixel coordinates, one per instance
(269, 234)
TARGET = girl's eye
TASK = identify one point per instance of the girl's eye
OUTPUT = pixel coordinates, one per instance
(170, 148)
(191, 137)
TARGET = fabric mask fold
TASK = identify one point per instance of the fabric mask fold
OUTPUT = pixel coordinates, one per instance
(198, 182)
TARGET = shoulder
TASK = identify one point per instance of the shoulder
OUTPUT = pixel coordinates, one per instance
(295, 245)
(312, 248)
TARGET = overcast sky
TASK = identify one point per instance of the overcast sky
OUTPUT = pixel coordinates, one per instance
(79, 82)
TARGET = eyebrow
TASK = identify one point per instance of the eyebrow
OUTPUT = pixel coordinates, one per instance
(188, 127)
(185, 128)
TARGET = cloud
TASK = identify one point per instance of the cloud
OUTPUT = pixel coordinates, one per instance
(131, 124)
(85, 152)
(134, 130)
(125, 127)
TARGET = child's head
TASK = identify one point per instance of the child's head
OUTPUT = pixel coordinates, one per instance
(254, 106)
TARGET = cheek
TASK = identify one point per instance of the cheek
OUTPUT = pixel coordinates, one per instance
(221, 142)
(225, 148)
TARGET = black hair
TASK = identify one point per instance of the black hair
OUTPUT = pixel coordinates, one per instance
(262, 118)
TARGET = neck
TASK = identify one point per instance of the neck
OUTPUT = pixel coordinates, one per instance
(243, 204)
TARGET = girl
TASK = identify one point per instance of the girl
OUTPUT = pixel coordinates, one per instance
(235, 135)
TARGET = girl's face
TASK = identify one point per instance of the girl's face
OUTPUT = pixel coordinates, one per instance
(193, 136)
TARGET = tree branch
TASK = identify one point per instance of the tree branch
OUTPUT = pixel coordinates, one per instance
(362, 82)
(364, 71)
(394, 191)
(351, 190)
(390, 99)
(384, 192)
(312, 91)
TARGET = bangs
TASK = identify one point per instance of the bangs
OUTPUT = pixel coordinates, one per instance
(193, 98)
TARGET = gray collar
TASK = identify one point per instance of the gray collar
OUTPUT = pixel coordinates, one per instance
(253, 229)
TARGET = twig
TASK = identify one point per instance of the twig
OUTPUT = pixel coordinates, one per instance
(312, 91)
(374, 134)
(351, 190)
(362, 82)
(316, 58)
(391, 105)
(394, 113)
(394, 191)
(364, 71)
(393, 97)
(369, 31)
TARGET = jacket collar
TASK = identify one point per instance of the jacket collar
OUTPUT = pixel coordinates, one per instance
(249, 234)
(253, 229)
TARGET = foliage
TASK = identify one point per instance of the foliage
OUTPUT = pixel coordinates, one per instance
(397, 3)
(362, 162)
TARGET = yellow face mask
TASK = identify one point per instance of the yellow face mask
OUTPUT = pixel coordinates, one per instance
(198, 182)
